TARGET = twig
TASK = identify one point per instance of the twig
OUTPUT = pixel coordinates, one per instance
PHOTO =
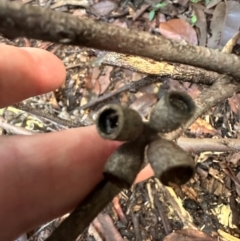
(104, 225)
(208, 144)
(48, 116)
(164, 218)
(86, 211)
(14, 129)
(72, 66)
(18, 20)
(132, 87)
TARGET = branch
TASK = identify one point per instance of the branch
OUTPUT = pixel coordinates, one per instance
(208, 144)
(86, 211)
(18, 20)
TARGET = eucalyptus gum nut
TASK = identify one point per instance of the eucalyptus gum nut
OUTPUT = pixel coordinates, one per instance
(125, 163)
(170, 163)
(115, 122)
(172, 110)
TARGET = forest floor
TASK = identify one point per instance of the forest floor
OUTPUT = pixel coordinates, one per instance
(205, 208)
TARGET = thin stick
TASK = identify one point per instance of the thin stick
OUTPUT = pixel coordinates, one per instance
(86, 211)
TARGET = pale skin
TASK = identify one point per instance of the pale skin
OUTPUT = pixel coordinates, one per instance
(43, 176)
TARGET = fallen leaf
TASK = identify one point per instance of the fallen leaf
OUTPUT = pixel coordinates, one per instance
(217, 25)
(142, 104)
(225, 23)
(192, 89)
(103, 8)
(87, 82)
(212, 3)
(232, 21)
(201, 23)
(234, 103)
(104, 79)
(200, 126)
(179, 30)
(234, 158)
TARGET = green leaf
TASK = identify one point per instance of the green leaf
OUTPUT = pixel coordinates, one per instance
(151, 15)
(193, 19)
(160, 5)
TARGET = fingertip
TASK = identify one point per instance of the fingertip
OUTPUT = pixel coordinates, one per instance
(50, 71)
(26, 72)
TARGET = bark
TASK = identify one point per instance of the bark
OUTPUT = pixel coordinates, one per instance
(18, 20)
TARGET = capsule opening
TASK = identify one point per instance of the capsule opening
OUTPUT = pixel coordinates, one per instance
(181, 102)
(177, 175)
(108, 121)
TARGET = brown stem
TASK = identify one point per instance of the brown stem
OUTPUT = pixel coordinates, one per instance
(84, 214)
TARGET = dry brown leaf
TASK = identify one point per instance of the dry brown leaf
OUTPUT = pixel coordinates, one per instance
(104, 79)
(231, 21)
(192, 89)
(234, 103)
(87, 82)
(103, 8)
(234, 158)
(189, 192)
(201, 22)
(217, 25)
(142, 104)
(178, 29)
(200, 126)
(100, 80)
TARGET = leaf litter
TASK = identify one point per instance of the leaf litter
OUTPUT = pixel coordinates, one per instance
(213, 213)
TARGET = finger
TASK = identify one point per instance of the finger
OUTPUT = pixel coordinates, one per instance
(144, 174)
(26, 72)
(46, 175)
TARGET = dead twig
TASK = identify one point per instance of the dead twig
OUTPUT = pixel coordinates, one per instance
(132, 87)
(14, 129)
(84, 214)
(208, 144)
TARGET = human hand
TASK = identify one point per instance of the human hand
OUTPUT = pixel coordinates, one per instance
(46, 175)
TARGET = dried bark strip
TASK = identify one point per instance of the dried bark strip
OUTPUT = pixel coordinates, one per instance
(171, 70)
(18, 20)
